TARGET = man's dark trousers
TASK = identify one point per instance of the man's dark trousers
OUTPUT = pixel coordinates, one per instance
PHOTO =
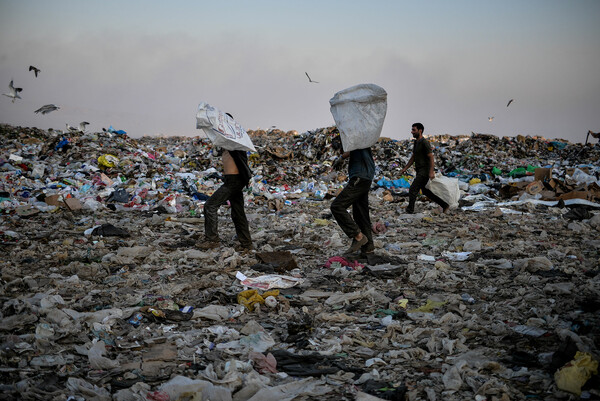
(417, 185)
(231, 191)
(355, 193)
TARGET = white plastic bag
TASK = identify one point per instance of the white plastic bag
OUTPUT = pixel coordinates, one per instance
(181, 386)
(446, 188)
(359, 113)
(221, 129)
(580, 176)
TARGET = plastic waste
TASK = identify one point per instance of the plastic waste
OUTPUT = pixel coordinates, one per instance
(467, 298)
(576, 373)
(180, 386)
(251, 298)
(446, 188)
(136, 319)
(267, 282)
(359, 112)
(108, 161)
(221, 129)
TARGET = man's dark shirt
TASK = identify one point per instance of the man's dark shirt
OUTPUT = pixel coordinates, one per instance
(361, 164)
(421, 151)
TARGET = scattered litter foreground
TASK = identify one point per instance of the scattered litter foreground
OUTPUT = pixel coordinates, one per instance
(116, 302)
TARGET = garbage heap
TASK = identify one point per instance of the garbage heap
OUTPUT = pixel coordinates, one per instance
(105, 295)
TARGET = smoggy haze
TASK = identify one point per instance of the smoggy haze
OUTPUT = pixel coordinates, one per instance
(143, 66)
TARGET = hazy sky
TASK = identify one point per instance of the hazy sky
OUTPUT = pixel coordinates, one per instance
(144, 66)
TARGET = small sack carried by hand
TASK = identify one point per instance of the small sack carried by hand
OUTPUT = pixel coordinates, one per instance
(446, 188)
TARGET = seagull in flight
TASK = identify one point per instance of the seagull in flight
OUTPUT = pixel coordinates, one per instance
(310, 80)
(34, 69)
(47, 108)
(82, 125)
(14, 92)
(509, 102)
(490, 119)
(70, 128)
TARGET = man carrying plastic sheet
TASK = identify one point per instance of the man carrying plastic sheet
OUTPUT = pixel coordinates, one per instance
(422, 157)
(236, 176)
(361, 171)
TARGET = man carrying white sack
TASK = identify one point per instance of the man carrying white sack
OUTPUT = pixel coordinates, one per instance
(236, 176)
(422, 157)
(361, 171)
(359, 112)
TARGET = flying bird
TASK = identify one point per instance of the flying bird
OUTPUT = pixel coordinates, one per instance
(35, 70)
(509, 102)
(310, 80)
(82, 125)
(490, 119)
(47, 108)
(14, 92)
(70, 128)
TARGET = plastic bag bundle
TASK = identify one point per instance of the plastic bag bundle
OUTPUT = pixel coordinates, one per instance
(108, 161)
(221, 129)
(359, 113)
(446, 188)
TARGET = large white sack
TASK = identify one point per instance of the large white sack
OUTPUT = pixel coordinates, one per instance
(446, 188)
(359, 113)
(221, 129)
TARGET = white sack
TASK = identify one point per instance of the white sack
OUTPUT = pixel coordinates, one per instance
(221, 129)
(359, 113)
(446, 188)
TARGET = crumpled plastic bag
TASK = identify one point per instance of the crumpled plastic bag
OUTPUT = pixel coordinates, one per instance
(263, 363)
(88, 390)
(429, 306)
(97, 360)
(268, 281)
(580, 176)
(118, 195)
(212, 312)
(576, 373)
(311, 388)
(108, 230)
(359, 113)
(250, 298)
(108, 161)
(221, 129)
(181, 386)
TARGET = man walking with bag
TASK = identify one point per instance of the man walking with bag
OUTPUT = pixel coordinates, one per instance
(237, 175)
(424, 162)
(361, 170)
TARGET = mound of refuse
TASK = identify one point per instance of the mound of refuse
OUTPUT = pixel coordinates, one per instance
(106, 296)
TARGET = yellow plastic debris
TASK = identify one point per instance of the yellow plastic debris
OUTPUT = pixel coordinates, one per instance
(321, 222)
(403, 303)
(429, 306)
(474, 181)
(576, 373)
(250, 298)
(254, 158)
(108, 161)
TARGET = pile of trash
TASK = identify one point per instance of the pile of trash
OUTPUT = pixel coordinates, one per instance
(105, 295)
